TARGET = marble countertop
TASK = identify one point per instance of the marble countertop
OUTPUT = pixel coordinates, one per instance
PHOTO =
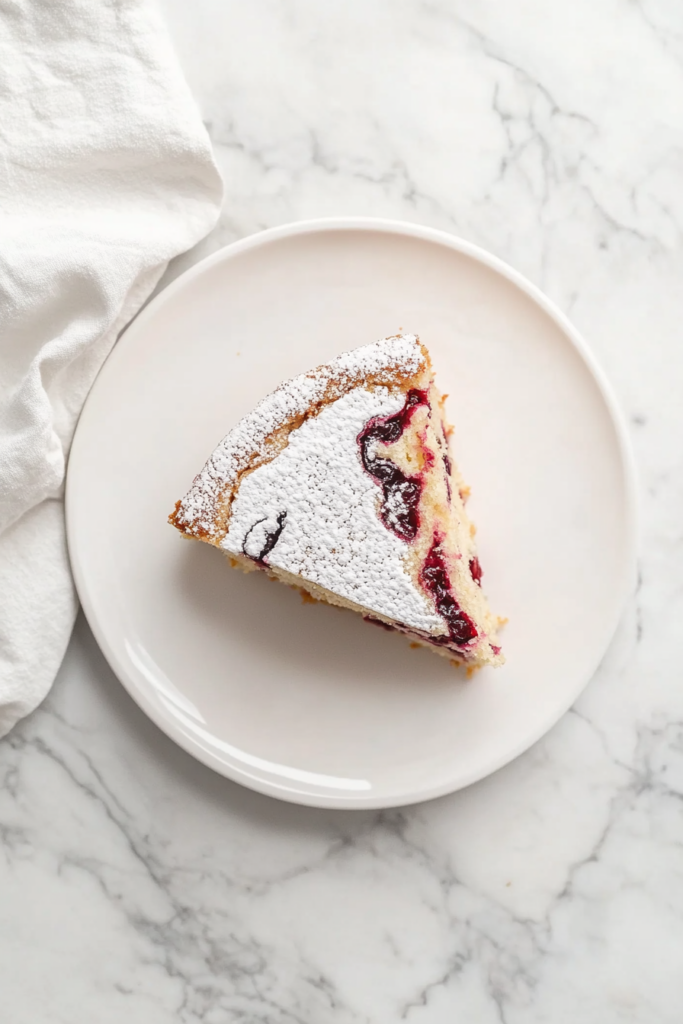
(138, 886)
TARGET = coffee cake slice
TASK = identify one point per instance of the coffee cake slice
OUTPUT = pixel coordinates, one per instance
(341, 483)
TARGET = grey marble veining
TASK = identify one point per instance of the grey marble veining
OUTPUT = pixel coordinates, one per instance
(137, 885)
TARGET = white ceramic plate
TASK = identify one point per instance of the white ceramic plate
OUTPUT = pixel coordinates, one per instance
(306, 702)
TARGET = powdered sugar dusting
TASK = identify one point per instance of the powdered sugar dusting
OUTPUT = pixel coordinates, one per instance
(313, 512)
(247, 442)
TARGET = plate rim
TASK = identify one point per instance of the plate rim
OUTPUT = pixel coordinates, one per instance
(289, 791)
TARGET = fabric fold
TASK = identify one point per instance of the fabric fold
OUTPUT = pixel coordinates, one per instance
(107, 174)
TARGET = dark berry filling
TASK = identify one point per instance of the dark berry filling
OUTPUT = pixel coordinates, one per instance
(378, 622)
(401, 493)
(434, 578)
(421, 634)
(475, 570)
(272, 537)
(447, 467)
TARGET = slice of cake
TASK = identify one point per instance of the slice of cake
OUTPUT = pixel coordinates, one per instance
(341, 483)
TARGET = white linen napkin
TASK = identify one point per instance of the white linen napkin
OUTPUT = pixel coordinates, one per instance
(106, 173)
